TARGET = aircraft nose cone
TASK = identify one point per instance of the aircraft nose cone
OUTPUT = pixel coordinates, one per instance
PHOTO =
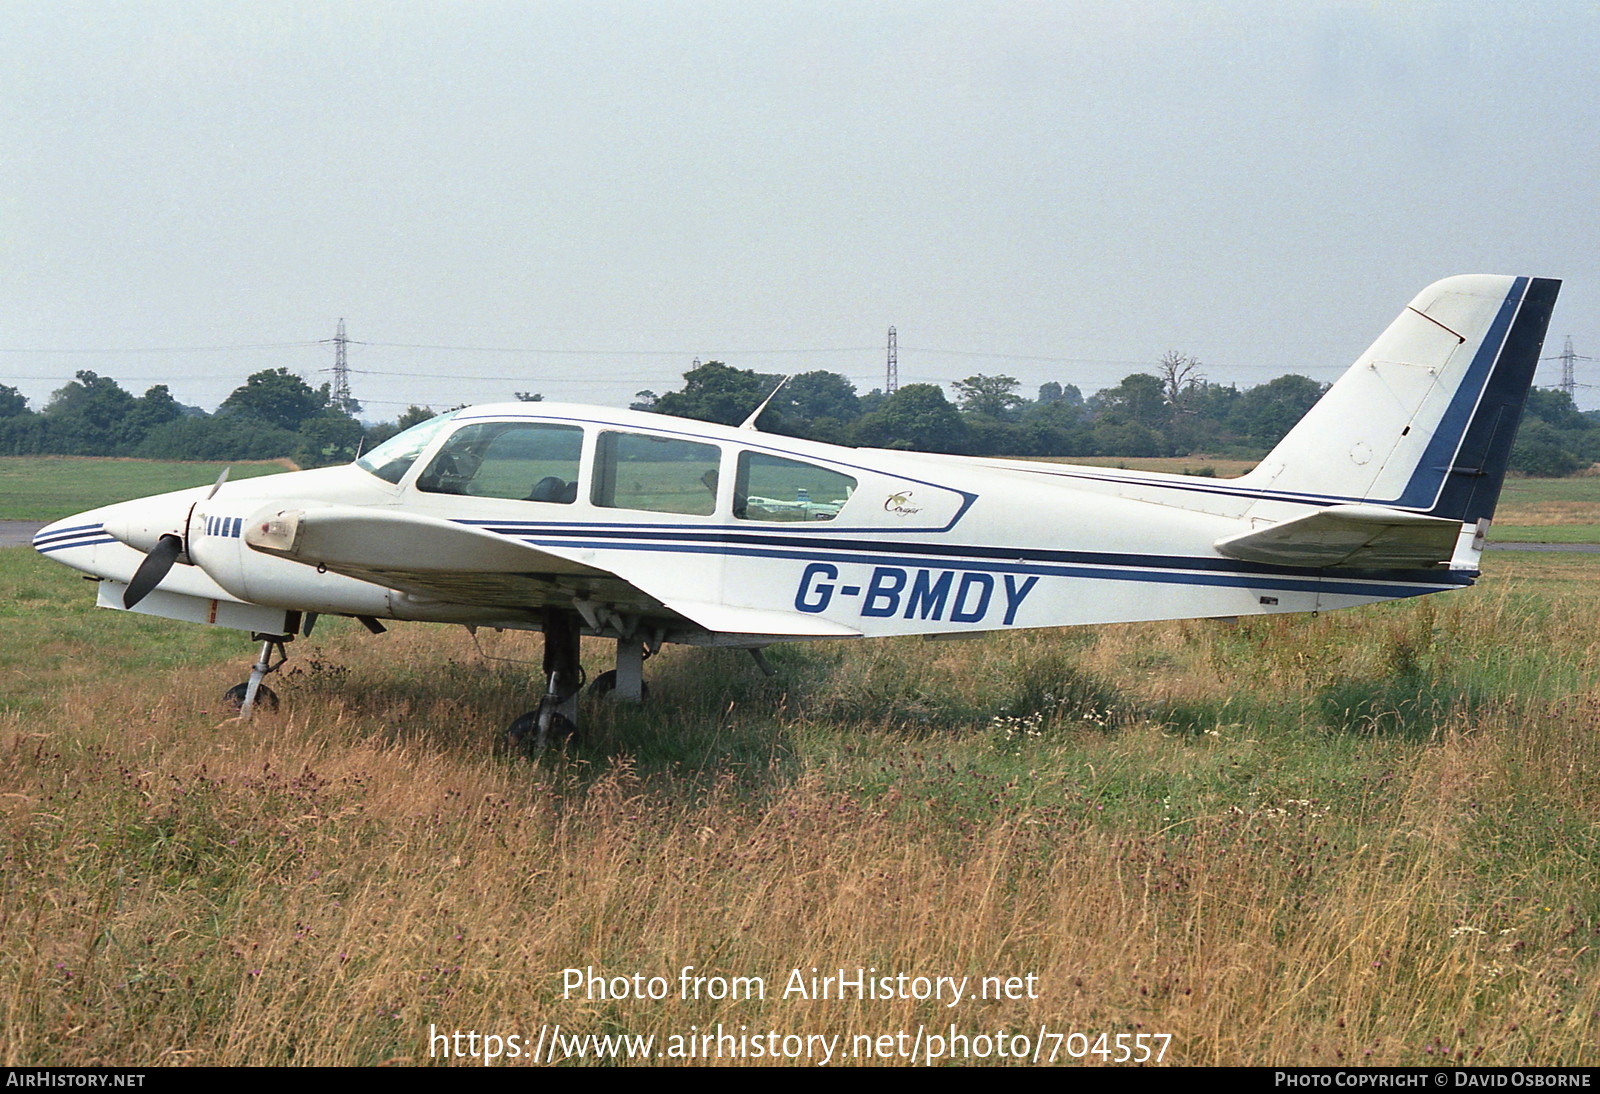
(78, 530)
(141, 524)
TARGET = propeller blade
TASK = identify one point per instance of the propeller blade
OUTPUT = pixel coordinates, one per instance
(222, 478)
(152, 569)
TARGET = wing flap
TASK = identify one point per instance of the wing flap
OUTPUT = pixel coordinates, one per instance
(1350, 536)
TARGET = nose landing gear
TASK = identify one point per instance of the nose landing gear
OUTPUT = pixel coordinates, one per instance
(247, 696)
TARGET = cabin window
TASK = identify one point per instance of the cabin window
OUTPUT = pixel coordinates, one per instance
(775, 489)
(525, 461)
(393, 458)
(657, 474)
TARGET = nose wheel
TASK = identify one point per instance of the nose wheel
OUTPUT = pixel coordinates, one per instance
(246, 697)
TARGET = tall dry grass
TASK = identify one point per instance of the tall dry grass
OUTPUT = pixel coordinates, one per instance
(1364, 837)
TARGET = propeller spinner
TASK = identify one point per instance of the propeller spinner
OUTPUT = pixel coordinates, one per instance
(163, 553)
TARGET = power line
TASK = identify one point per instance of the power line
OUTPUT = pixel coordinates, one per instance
(1027, 357)
(167, 349)
(614, 352)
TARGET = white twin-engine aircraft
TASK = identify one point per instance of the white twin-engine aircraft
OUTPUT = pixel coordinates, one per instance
(647, 529)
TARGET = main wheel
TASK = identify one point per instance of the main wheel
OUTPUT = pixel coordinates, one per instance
(606, 683)
(266, 698)
(523, 734)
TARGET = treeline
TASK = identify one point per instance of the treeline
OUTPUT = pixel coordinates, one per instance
(273, 414)
(1173, 412)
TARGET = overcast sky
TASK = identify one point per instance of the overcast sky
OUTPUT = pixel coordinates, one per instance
(581, 198)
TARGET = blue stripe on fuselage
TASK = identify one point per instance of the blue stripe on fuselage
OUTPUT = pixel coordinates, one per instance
(1017, 560)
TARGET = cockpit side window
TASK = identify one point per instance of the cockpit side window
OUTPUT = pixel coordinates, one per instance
(771, 488)
(393, 458)
(525, 461)
(656, 474)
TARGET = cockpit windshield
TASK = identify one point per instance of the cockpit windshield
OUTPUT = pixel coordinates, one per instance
(393, 458)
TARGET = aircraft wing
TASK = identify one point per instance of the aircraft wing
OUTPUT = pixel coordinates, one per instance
(444, 561)
(1351, 536)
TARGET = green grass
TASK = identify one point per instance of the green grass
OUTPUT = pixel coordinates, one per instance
(52, 487)
(1575, 488)
(1545, 533)
(1549, 511)
(55, 635)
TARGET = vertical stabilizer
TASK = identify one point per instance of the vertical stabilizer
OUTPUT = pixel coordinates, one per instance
(1424, 420)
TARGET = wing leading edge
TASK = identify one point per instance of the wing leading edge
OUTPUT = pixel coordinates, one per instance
(434, 559)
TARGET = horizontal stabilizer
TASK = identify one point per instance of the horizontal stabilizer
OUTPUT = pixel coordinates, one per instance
(1353, 536)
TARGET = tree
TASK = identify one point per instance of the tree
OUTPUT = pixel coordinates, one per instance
(1180, 377)
(328, 438)
(1540, 450)
(818, 405)
(1055, 428)
(918, 417)
(414, 415)
(87, 416)
(216, 438)
(1266, 412)
(155, 407)
(1053, 392)
(12, 402)
(1140, 399)
(989, 396)
(277, 397)
(714, 392)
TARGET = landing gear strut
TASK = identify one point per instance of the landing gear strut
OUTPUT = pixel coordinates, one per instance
(247, 696)
(556, 717)
(625, 683)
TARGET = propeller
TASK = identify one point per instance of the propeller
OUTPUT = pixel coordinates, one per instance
(152, 569)
(161, 557)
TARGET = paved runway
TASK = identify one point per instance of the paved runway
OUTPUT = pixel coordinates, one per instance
(18, 533)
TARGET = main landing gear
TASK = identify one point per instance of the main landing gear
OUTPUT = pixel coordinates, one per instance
(555, 720)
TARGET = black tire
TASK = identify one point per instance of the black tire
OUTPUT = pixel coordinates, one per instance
(522, 735)
(606, 683)
(266, 698)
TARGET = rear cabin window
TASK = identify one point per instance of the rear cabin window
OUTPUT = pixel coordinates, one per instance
(656, 474)
(771, 488)
(525, 461)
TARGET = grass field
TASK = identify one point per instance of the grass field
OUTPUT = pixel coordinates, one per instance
(52, 487)
(1368, 837)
